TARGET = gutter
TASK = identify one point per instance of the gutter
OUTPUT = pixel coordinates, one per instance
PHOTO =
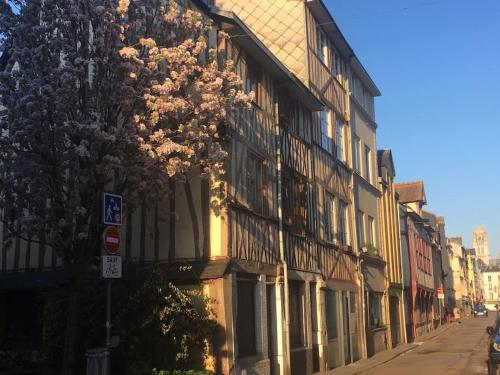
(286, 330)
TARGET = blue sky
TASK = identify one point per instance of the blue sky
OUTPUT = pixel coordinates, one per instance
(437, 64)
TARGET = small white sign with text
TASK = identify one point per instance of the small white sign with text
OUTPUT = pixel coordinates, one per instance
(111, 266)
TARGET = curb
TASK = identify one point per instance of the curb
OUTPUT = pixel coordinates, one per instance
(410, 347)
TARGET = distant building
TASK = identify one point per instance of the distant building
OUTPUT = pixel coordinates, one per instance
(391, 248)
(472, 272)
(459, 269)
(491, 283)
(439, 262)
(416, 250)
(480, 243)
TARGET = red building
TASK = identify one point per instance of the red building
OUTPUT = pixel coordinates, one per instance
(416, 249)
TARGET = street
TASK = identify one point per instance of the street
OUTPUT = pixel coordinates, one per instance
(461, 349)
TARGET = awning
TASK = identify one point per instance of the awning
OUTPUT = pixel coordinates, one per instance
(374, 277)
(341, 285)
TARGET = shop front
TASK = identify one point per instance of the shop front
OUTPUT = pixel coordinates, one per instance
(376, 316)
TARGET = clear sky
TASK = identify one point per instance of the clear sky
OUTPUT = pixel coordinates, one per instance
(437, 64)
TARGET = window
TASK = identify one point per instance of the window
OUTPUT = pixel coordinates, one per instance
(326, 130)
(329, 217)
(360, 223)
(331, 314)
(339, 130)
(294, 193)
(322, 47)
(371, 231)
(253, 81)
(489, 278)
(296, 314)
(375, 310)
(368, 164)
(245, 319)
(257, 184)
(352, 302)
(356, 157)
(337, 66)
(491, 295)
(343, 224)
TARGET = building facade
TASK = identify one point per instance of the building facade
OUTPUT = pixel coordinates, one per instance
(459, 268)
(305, 38)
(436, 231)
(491, 284)
(391, 249)
(416, 249)
(367, 216)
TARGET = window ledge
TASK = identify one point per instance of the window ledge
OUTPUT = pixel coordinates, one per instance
(302, 348)
(377, 329)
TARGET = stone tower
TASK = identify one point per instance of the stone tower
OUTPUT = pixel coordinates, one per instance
(480, 243)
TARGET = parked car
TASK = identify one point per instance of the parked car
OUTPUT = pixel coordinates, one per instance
(480, 310)
(494, 348)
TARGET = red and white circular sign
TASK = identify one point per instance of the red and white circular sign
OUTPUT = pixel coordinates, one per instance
(111, 239)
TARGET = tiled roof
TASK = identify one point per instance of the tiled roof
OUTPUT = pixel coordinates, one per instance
(410, 192)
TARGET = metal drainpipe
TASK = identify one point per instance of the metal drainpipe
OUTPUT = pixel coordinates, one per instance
(364, 350)
(286, 330)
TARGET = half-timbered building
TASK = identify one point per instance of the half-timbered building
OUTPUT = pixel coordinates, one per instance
(306, 39)
(234, 237)
(278, 254)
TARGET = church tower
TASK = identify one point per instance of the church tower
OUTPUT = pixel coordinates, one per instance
(480, 243)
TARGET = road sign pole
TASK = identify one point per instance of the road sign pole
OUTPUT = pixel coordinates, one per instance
(439, 309)
(108, 324)
(112, 215)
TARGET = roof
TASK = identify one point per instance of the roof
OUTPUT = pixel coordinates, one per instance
(430, 217)
(410, 192)
(384, 159)
(471, 251)
(234, 26)
(492, 269)
(455, 240)
(321, 13)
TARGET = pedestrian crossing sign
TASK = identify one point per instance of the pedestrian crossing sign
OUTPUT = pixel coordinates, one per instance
(112, 209)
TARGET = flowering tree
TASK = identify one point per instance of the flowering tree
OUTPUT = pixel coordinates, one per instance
(100, 95)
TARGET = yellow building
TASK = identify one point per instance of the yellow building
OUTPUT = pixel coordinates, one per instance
(391, 249)
(471, 266)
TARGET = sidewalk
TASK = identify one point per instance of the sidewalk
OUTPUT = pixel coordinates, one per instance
(388, 355)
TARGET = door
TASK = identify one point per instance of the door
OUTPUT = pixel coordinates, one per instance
(395, 323)
(354, 326)
(271, 324)
(347, 328)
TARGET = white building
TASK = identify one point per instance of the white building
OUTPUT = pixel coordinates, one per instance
(491, 284)
(480, 243)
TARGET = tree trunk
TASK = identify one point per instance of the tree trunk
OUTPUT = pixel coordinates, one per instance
(72, 323)
(194, 218)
